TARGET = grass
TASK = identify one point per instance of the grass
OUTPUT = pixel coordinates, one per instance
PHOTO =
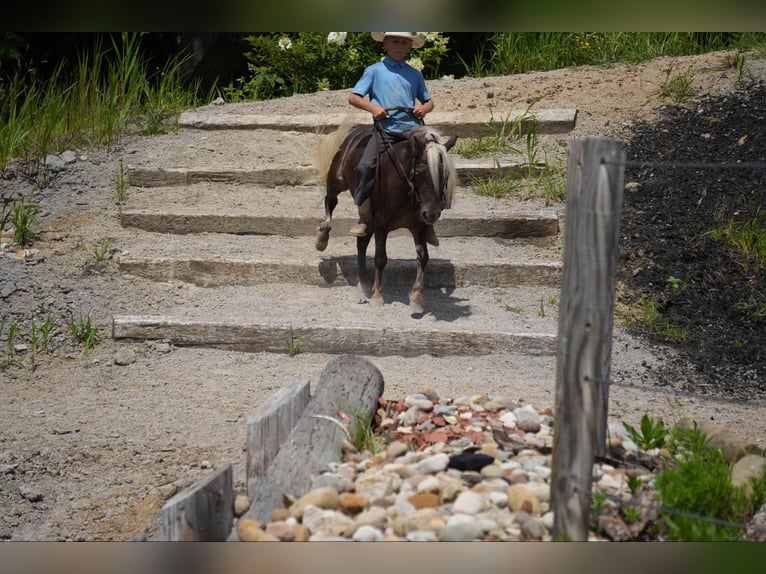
(519, 52)
(678, 87)
(23, 216)
(121, 186)
(83, 332)
(111, 91)
(293, 343)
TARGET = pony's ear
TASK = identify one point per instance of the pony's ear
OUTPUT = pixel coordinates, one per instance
(450, 143)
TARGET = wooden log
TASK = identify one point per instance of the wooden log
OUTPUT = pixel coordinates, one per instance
(595, 172)
(348, 382)
(270, 425)
(203, 512)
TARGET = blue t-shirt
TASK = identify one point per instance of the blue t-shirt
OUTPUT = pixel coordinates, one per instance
(389, 84)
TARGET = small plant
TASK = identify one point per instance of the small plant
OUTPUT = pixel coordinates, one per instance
(121, 189)
(103, 251)
(631, 514)
(495, 186)
(674, 283)
(363, 434)
(23, 218)
(679, 87)
(650, 434)
(83, 332)
(541, 309)
(691, 441)
(293, 343)
(634, 484)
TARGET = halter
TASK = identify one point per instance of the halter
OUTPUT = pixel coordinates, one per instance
(408, 178)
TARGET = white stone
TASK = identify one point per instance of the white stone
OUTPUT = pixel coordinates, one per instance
(367, 533)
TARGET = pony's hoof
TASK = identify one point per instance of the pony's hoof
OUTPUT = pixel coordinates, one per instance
(321, 245)
(416, 309)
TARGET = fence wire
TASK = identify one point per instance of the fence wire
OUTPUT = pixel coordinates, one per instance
(689, 165)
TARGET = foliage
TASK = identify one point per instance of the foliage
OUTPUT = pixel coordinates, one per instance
(283, 64)
(83, 332)
(700, 485)
(650, 434)
(109, 92)
(23, 218)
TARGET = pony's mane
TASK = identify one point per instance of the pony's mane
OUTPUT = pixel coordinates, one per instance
(327, 146)
(440, 162)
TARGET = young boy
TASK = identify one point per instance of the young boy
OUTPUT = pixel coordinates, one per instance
(389, 83)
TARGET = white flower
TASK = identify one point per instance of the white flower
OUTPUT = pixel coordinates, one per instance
(431, 36)
(416, 63)
(285, 43)
(338, 38)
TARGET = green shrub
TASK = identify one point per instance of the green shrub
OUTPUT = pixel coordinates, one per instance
(283, 64)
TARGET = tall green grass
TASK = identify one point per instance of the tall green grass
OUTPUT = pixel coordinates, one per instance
(112, 91)
(518, 52)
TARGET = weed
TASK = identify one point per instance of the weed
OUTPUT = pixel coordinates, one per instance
(634, 484)
(679, 87)
(103, 251)
(553, 183)
(495, 186)
(293, 343)
(631, 514)
(651, 433)
(747, 238)
(23, 219)
(363, 434)
(674, 283)
(83, 332)
(692, 441)
(121, 190)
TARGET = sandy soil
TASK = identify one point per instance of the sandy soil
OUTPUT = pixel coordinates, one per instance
(92, 445)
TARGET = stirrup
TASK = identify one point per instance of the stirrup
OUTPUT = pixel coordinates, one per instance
(361, 229)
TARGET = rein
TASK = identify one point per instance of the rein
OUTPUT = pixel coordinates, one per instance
(397, 165)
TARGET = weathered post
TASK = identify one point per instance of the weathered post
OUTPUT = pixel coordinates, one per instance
(595, 172)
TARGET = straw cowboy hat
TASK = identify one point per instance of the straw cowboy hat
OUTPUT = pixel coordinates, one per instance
(417, 39)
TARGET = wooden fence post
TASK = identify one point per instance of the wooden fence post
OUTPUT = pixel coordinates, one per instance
(270, 426)
(595, 173)
(203, 512)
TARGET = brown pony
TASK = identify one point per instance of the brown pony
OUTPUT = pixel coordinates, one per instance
(415, 180)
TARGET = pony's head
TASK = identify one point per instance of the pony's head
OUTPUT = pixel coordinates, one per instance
(434, 177)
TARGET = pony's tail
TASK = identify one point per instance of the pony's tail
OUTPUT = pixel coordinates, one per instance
(327, 146)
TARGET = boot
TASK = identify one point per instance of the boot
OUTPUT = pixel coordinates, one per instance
(431, 236)
(364, 225)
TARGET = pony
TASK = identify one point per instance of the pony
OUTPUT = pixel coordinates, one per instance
(415, 180)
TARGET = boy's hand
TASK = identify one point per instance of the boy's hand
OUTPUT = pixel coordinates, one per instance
(380, 113)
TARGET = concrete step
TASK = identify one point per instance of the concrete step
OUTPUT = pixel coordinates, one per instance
(473, 123)
(217, 259)
(159, 176)
(298, 210)
(275, 318)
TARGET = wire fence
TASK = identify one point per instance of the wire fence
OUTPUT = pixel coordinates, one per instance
(690, 164)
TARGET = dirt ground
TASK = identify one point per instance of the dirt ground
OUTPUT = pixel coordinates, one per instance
(92, 445)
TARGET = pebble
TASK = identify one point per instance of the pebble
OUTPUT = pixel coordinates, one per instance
(416, 490)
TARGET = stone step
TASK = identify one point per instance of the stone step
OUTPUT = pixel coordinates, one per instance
(159, 176)
(298, 210)
(473, 123)
(212, 260)
(278, 317)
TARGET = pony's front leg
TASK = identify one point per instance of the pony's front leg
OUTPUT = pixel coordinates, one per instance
(323, 233)
(361, 261)
(416, 293)
(381, 258)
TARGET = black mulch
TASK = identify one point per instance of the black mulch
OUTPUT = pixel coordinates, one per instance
(706, 291)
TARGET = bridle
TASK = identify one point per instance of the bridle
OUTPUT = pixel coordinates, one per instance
(409, 177)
